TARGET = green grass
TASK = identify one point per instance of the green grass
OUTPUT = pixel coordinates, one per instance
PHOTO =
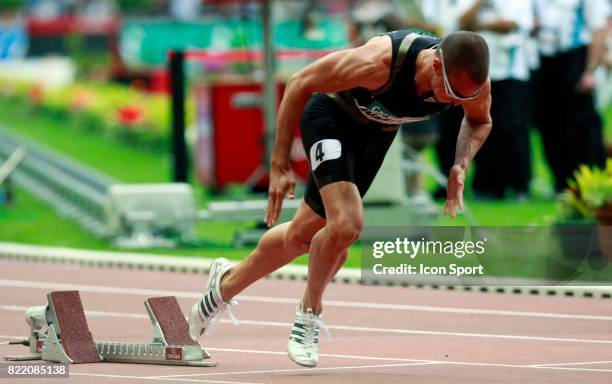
(505, 213)
(120, 161)
(29, 220)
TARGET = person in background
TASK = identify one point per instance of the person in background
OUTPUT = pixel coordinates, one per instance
(442, 17)
(571, 38)
(185, 10)
(504, 162)
(603, 76)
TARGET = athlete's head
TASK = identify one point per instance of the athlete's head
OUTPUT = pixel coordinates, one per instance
(461, 67)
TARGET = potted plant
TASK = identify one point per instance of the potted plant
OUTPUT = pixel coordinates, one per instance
(584, 211)
(593, 188)
(590, 196)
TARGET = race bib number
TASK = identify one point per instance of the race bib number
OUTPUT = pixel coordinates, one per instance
(328, 149)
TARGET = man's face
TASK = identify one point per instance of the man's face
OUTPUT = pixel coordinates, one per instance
(455, 88)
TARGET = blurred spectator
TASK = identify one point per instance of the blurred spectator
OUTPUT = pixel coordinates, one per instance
(185, 10)
(504, 160)
(603, 74)
(47, 9)
(441, 17)
(370, 18)
(13, 33)
(571, 37)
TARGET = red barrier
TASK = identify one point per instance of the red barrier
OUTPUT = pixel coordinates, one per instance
(231, 144)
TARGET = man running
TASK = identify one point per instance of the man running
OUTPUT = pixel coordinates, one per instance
(349, 105)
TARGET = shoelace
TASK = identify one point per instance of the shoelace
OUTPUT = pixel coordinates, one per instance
(312, 323)
(220, 308)
(233, 318)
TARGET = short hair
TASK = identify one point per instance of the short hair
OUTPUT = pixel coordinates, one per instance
(466, 52)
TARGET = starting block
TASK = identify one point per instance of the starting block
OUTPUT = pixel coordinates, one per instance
(59, 333)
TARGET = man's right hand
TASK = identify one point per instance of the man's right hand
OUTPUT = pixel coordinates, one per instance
(281, 182)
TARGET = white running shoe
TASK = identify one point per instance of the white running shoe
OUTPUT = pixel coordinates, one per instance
(303, 347)
(211, 304)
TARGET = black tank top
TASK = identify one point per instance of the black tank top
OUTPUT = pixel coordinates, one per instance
(397, 101)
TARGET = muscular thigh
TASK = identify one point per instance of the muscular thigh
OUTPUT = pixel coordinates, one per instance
(342, 201)
(328, 135)
(339, 150)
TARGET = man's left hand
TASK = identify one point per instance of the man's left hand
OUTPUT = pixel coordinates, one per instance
(454, 195)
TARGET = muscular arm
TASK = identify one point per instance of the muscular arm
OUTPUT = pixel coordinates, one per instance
(363, 66)
(475, 128)
(367, 66)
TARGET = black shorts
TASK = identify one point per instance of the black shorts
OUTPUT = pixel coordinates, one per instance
(340, 149)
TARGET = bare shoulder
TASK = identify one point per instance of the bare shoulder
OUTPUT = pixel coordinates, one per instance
(378, 49)
(377, 53)
(366, 66)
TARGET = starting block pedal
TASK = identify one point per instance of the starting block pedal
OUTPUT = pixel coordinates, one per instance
(59, 333)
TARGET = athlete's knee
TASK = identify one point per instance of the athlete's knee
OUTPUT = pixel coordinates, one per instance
(296, 240)
(345, 229)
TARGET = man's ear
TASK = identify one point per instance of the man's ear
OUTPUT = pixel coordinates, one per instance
(437, 64)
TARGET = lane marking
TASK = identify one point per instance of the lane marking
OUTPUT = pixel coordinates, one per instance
(409, 361)
(170, 378)
(401, 331)
(297, 370)
(576, 369)
(13, 337)
(356, 357)
(565, 364)
(292, 301)
(259, 352)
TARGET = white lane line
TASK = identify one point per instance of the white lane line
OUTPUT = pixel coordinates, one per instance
(208, 381)
(260, 352)
(576, 369)
(520, 366)
(433, 333)
(286, 300)
(12, 337)
(355, 357)
(159, 378)
(297, 370)
(565, 364)
(409, 361)
(400, 331)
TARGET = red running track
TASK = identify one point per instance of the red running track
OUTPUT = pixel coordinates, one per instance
(379, 334)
